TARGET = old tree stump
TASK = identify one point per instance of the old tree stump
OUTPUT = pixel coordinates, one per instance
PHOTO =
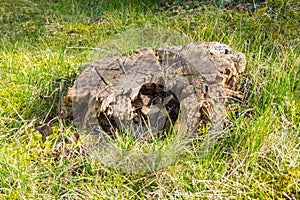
(153, 91)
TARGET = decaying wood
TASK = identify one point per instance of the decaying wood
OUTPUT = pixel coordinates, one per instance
(146, 91)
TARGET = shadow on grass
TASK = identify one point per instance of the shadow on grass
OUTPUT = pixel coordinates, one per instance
(26, 20)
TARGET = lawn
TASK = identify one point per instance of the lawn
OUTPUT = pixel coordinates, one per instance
(45, 43)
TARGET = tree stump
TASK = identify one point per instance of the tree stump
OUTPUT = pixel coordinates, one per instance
(157, 90)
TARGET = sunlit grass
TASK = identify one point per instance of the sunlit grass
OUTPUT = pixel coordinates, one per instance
(44, 43)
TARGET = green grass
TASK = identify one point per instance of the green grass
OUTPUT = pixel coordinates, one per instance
(43, 43)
